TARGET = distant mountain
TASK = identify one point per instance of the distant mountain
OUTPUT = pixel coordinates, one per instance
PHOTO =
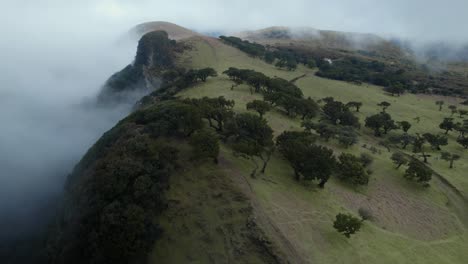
(328, 39)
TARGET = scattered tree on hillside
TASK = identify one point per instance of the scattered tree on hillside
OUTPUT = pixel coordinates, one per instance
(337, 113)
(347, 224)
(311, 63)
(384, 105)
(418, 171)
(251, 137)
(462, 112)
(447, 125)
(307, 159)
(307, 108)
(396, 88)
(257, 80)
(261, 107)
(347, 136)
(355, 104)
(453, 109)
(462, 128)
(326, 130)
(399, 159)
(350, 169)
(440, 104)
(203, 74)
(418, 146)
(463, 141)
(379, 122)
(328, 99)
(450, 157)
(215, 109)
(404, 125)
(366, 159)
(436, 140)
(205, 144)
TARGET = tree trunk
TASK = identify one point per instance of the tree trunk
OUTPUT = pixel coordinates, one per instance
(399, 165)
(254, 172)
(451, 164)
(298, 176)
(322, 183)
(265, 161)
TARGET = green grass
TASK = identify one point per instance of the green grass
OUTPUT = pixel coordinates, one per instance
(413, 224)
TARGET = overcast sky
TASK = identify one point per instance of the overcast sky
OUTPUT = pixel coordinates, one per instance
(415, 19)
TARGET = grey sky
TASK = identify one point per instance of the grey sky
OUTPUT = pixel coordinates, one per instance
(415, 19)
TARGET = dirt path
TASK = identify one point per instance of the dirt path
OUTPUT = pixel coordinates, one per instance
(289, 252)
(297, 78)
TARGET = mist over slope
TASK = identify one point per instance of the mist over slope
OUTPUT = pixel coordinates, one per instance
(49, 81)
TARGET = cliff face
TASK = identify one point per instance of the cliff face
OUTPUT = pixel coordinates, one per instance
(155, 53)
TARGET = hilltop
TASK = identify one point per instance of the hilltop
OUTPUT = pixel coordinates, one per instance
(175, 32)
(179, 180)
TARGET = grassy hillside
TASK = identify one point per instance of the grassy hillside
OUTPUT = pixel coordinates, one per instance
(411, 224)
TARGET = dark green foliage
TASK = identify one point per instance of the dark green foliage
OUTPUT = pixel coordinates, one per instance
(169, 118)
(418, 146)
(214, 109)
(463, 141)
(403, 139)
(251, 136)
(282, 86)
(333, 111)
(380, 122)
(250, 48)
(111, 201)
(366, 159)
(462, 128)
(462, 112)
(384, 105)
(399, 159)
(261, 107)
(354, 104)
(307, 108)
(453, 109)
(450, 157)
(338, 113)
(418, 171)
(440, 104)
(311, 63)
(288, 63)
(347, 136)
(436, 140)
(351, 169)
(203, 74)
(396, 88)
(353, 69)
(326, 131)
(205, 144)
(447, 125)
(404, 125)
(257, 80)
(310, 161)
(347, 224)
